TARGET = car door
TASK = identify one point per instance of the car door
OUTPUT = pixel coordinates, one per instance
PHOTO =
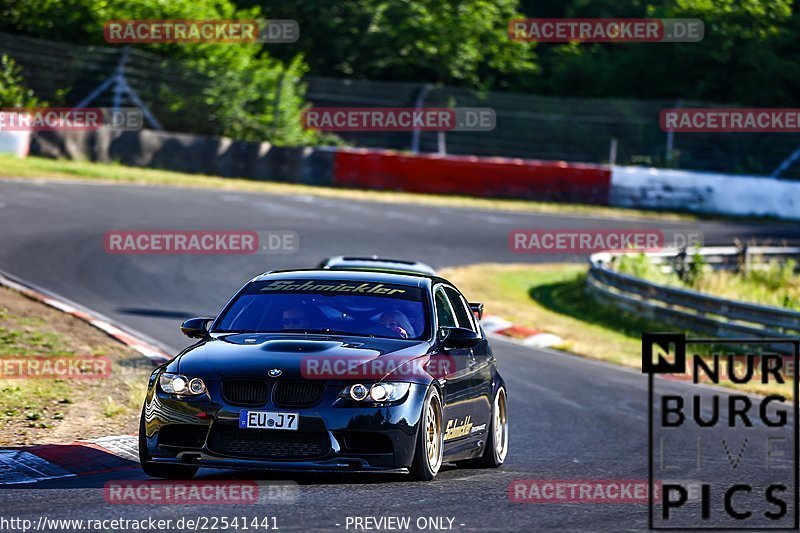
(479, 363)
(460, 392)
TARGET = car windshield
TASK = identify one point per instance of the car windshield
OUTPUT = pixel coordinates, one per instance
(331, 307)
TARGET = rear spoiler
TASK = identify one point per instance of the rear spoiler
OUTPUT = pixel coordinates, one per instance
(477, 308)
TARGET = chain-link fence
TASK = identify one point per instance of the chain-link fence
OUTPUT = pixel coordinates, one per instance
(528, 126)
(179, 95)
(571, 129)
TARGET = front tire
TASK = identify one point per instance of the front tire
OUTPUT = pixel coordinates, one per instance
(496, 450)
(157, 470)
(430, 438)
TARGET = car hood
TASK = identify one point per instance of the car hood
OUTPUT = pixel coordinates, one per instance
(311, 357)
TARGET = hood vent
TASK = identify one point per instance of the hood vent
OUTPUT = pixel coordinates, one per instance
(299, 346)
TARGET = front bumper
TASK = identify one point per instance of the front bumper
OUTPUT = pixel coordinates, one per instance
(203, 431)
(342, 464)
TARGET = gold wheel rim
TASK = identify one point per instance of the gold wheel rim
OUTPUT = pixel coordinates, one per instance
(501, 425)
(433, 435)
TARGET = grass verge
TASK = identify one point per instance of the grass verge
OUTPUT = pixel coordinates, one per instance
(552, 298)
(37, 410)
(38, 167)
(772, 282)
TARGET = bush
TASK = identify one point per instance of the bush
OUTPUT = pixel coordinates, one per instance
(13, 92)
(772, 283)
(696, 271)
(775, 275)
(640, 266)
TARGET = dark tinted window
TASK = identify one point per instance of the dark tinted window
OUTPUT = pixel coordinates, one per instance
(462, 314)
(444, 313)
(345, 307)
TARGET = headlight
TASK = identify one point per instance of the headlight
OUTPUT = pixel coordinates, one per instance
(388, 391)
(358, 392)
(181, 385)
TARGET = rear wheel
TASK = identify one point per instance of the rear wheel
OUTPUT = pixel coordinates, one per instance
(430, 439)
(494, 454)
(158, 470)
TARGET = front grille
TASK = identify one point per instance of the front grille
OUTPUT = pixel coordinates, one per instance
(297, 393)
(268, 443)
(245, 392)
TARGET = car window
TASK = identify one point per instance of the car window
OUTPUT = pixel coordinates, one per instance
(343, 307)
(444, 312)
(475, 322)
(457, 303)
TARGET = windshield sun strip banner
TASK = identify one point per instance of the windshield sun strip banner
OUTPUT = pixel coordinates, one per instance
(332, 287)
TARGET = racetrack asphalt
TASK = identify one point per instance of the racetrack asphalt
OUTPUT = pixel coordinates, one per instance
(571, 418)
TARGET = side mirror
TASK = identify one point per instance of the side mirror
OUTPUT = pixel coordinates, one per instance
(196, 328)
(458, 337)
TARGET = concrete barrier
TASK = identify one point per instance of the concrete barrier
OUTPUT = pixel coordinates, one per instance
(704, 192)
(195, 154)
(638, 187)
(14, 142)
(473, 176)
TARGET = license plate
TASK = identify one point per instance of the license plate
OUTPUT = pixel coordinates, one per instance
(268, 420)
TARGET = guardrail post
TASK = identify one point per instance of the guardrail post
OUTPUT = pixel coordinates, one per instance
(680, 264)
(742, 258)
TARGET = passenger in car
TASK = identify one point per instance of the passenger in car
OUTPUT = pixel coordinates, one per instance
(396, 322)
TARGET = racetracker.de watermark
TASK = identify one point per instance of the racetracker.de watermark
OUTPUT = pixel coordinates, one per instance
(55, 367)
(730, 120)
(201, 242)
(397, 367)
(399, 119)
(606, 30)
(588, 241)
(70, 119)
(591, 491)
(200, 492)
(272, 31)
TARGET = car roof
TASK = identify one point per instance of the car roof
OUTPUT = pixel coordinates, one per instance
(377, 263)
(366, 275)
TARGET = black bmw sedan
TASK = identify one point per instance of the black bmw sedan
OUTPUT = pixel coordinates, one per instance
(323, 370)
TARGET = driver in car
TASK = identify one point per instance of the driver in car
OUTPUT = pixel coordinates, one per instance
(396, 322)
(295, 318)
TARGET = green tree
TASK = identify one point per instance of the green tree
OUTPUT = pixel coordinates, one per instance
(436, 41)
(13, 92)
(748, 55)
(238, 84)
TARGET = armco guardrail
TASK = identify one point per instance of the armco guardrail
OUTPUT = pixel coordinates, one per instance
(692, 310)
